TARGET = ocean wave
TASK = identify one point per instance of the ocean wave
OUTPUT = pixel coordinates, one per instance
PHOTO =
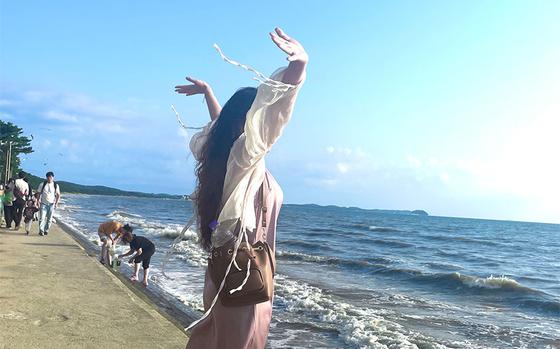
(340, 262)
(305, 245)
(190, 251)
(383, 229)
(360, 327)
(324, 230)
(510, 290)
(491, 282)
(369, 265)
(488, 283)
(462, 239)
(547, 306)
(369, 227)
(154, 228)
(359, 226)
(123, 214)
(392, 243)
(455, 282)
(188, 293)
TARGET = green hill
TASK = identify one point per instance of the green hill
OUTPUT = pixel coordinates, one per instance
(68, 187)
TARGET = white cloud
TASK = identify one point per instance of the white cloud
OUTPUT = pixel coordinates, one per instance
(60, 116)
(342, 167)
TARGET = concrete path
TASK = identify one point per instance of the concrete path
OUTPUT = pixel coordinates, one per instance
(53, 295)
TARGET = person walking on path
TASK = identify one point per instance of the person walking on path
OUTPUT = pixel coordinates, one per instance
(2, 195)
(21, 191)
(237, 199)
(144, 249)
(105, 233)
(49, 196)
(29, 212)
(9, 203)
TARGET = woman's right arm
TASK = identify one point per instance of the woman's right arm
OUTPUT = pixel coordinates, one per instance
(201, 87)
(273, 106)
(297, 56)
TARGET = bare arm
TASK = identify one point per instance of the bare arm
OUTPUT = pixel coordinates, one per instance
(56, 196)
(296, 55)
(131, 251)
(138, 252)
(201, 87)
(214, 107)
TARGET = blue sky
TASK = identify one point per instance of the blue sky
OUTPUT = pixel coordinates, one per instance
(451, 107)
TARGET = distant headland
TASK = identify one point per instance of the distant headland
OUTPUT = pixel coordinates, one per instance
(69, 187)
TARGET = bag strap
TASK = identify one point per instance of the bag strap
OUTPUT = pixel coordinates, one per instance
(45, 184)
(263, 200)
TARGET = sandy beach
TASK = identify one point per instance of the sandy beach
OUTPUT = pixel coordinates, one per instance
(54, 294)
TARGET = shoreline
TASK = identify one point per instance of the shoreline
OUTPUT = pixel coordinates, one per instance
(169, 307)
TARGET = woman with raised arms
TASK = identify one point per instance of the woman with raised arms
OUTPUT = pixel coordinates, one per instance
(235, 193)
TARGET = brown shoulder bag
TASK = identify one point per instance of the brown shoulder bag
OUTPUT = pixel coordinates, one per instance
(259, 283)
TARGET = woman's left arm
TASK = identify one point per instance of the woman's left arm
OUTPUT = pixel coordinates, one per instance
(202, 87)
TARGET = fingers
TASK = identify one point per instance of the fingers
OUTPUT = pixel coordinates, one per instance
(277, 40)
(281, 34)
(186, 89)
(281, 43)
(191, 79)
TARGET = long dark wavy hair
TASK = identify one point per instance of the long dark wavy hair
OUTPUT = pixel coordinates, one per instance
(211, 169)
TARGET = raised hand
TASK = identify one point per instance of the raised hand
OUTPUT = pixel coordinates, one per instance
(201, 87)
(295, 50)
(197, 87)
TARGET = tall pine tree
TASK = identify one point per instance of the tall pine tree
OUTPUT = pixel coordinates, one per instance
(20, 145)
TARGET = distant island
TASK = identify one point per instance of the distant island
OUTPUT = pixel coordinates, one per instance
(69, 187)
(415, 212)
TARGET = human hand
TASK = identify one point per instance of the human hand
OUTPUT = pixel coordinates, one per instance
(197, 87)
(291, 46)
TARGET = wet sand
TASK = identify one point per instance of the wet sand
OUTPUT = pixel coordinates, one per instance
(54, 295)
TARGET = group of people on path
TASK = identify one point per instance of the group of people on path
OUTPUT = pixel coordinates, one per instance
(19, 203)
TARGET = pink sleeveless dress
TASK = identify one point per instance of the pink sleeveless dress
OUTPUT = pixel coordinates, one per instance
(244, 327)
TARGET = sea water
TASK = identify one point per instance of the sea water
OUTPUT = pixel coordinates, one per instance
(353, 278)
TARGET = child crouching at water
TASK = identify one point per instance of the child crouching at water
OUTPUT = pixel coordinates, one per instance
(144, 249)
(29, 213)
